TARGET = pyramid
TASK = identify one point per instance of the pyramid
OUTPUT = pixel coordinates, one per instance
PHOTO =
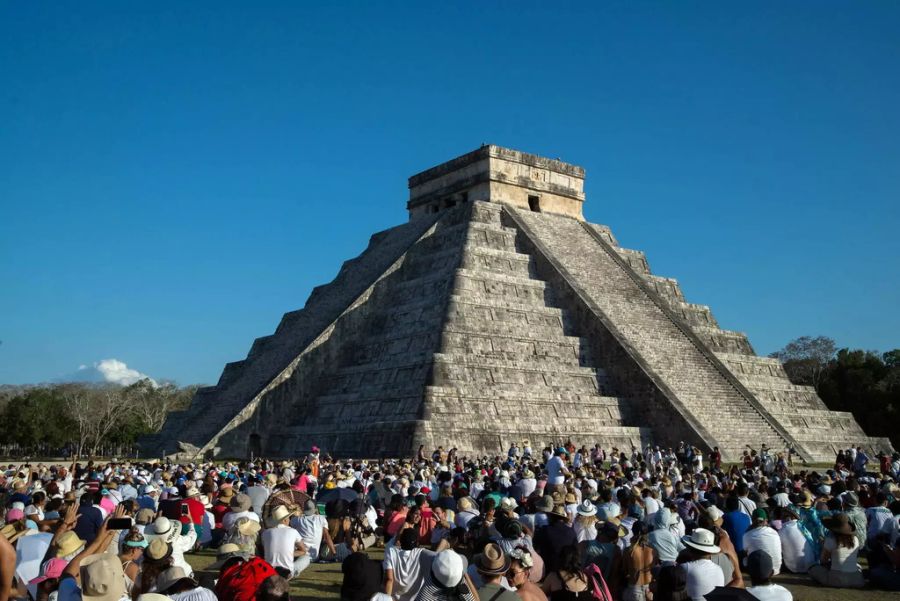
(497, 314)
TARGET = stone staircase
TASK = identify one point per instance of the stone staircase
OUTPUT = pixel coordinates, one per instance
(703, 391)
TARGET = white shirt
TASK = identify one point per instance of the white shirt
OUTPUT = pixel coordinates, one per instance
(555, 469)
(702, 577)
(747, 506)
(279, 544)
(878, 517)
(842, 558)
(796, 550)
(770, 592)
(310, 528)
(408, 569)
(527, 485)
(231, 517)
(764, 538)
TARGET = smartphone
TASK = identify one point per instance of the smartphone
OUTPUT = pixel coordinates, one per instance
(119, 524)
(184, 509)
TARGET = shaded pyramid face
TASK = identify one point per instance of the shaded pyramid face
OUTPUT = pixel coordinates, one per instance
(485, 324)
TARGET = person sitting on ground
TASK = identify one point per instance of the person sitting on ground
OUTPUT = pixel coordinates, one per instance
(550, 540)
(726, 559)
(283, 546)
(362, 578)
(840, 552)
(761, 536)
(701, 573)
(761, 570)
(178, 586)
(736, 523)
(405, 565)
(796, 547)
(447, 579)
(313, 529)
(240, 573)
(663, 541)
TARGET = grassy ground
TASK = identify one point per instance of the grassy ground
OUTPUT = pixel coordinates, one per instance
(323, 581)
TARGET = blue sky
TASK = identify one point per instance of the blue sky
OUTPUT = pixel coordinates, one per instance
(174, 177)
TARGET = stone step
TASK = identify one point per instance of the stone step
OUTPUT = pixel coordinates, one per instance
(581, 379)
(489, 261)
(526, 346)
(541, 395)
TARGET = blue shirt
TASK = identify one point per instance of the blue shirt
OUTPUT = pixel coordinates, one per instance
(736, 523)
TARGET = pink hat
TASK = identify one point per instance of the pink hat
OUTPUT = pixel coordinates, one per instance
(52, 569)
(14, 514)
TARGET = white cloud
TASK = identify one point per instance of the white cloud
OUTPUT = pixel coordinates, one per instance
(109, 370)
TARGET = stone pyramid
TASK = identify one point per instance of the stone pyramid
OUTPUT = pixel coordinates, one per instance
(497, 314)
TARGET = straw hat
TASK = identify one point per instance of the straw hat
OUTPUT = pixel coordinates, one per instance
(11, 533)
(702, 540)
(68, 544)
(508, 504)
(248, 527)
(492, 560)
(559, 510)
(158, 550)
(281, 512)
(241, 502)
(226, 553)
(570, 498)
(171, 577)
(805, 500)
(225, 494)
(102, 578)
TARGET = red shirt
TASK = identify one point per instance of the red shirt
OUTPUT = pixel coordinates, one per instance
(241, 580)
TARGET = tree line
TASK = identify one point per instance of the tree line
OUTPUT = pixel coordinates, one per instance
(61, 419)
(865, 383)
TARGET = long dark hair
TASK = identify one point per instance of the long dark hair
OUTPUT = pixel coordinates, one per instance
(570, 561)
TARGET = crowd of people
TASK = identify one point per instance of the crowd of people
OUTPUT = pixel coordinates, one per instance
(557, 522)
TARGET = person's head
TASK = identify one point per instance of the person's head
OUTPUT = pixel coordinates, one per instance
(570, 559)
(520, 566)
(759, 564)
(408, 539)
(134, 544)
(274, 588)
(492, 563)
(759, 517)
(414, 515)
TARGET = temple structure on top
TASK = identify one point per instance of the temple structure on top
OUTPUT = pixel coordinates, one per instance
(497, 314)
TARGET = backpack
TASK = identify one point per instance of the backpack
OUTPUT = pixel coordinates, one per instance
(596, 583)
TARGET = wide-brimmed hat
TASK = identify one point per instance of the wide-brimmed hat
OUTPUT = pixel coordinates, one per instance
(171, 577)
(158, 550)
(839, 524)
(248, 527)
(310, 508)
(559, 510)
(851, 499)
(279, 513)
(492, 560)
(448, 568)
(102, 578)
(586, 508)
(570, 498)
(241, 502)
(145, 516)
(11, 533)
(508, 504)
(805, 500)
(164, 528)
(225, 494)
(68, 543)
(702, 540)
(227, 552)
(528, 474)
(544, 504)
